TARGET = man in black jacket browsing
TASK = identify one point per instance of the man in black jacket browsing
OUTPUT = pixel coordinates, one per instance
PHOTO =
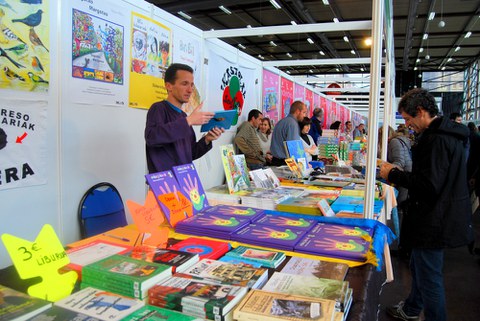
(439, 210)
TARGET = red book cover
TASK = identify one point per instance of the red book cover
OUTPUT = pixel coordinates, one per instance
(206, 249)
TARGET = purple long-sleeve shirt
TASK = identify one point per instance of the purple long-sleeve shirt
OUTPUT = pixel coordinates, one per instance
(169, 140)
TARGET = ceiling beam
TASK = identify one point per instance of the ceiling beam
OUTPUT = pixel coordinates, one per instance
(317, 62)
(412, 13)
(351, 89)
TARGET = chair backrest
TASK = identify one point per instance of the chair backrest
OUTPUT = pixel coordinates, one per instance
(101, 209)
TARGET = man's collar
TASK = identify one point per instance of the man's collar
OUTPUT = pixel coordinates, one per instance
(178, 110)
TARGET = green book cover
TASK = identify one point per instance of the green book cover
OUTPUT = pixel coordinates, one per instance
(153, 313)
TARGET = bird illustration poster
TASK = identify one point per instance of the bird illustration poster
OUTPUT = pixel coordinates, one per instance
(150, 56)
(24, 45)
(23, 127)
(97, 53)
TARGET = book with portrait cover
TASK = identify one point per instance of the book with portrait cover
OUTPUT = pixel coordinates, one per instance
(191, 186)
(266, 258)
(235, 179)
(15, 305)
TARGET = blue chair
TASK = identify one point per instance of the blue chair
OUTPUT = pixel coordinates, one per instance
(101, 209)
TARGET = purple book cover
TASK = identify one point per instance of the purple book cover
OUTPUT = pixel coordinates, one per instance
(226, 210)
(162, 183)
(269, 235)
(342, 231)
(340, 247)
(213, 222)
(191, 186)
(286, 221)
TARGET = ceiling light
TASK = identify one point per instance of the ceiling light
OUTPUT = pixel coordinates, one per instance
(310, 41)
(321, 52)
(336, 20)
(431, 15)
(449, 59)
(288, 71)
(416, 68)
(443, 68)
(183, 14)
(273, 43)
(275, 4)
(289, 55)
(468, 34)
(293, 23)
(261, 57)
(457, 49)
(420, 50)
(242, 46)
(352, 51)
(368, 41)
(345, 38)
(249, 26)
(325, 2)
(361, 69)
(337, 69)
(425, 36)
(225, 10)
(427, 57)
(310, 71)
(418, 60)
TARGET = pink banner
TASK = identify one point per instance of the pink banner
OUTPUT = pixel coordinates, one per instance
(270, 95)
(309, 102)
(299, 93)
(323, 105)
(286, 91)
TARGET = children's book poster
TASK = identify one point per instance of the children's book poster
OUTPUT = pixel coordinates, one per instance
(286, 91)
(23, 150)
(24, 45)
(309, 102)
(270, 95)
(150, 56)
(299, 92)
(97, 47)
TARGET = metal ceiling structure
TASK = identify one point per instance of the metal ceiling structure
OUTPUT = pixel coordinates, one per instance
(429, 35)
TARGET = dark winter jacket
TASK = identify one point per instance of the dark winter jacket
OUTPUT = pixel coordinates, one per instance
(439, 211)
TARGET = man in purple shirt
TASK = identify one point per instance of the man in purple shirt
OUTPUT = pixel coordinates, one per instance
(169, 136)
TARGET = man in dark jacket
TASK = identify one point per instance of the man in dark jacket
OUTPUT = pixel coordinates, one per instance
(439, 211)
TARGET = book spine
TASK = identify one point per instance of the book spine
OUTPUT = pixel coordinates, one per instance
(109, 277)
(136, 294)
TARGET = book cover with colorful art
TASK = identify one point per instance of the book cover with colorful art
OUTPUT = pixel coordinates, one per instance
(267, 258)
(233, 175)
(174, 204)
(191, 186)
(205, 248)
(318, 268)
(213, 225)
(286, 221)
(251, 212)
(270, 236)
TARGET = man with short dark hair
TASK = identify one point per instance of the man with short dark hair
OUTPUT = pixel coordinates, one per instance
(456, 117)
(286, 129)
(169, 136)
(438, 212)
(247, 140)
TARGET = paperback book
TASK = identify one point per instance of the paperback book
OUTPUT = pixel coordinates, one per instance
(225, 273)
(100, 304)
(279, 220)
(154, 313)
(235, 179)
(178, 260)
(264, 178)
(16, 306)
(261, 305)
(270, 236)
(239, 261)
(227, 210)
(318, 268)
(191, 186)
(61, 314)
(205, 248)
(269, 259)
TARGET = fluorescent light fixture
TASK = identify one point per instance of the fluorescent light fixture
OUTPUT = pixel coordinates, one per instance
(427, 57)
(345, 38)
(289, 55)
(449, 59)
(321, 52)
(288, 71)
(431, 15)
(457, 49)
(325, 2)
(212, 29)
(293, 23)
(310, 71)
(418, 60)
(310, 41)
(425, 36)
(443, 68)
(225, 10)
(275, 4)
(336, 20)
(416, 68)
(352, 51)
(261, 57)
(361, 69)
(183, 14)
(337, 69)
(420, 50)
(249, 26)
(468, 34)
(242, 46)
(273, 43)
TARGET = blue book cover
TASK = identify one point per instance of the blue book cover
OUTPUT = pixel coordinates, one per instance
(251, 212)
(295, 149)
(286, 221)
(354, 204)
(210, 223)
(221, 119)
(269, 236)
(191, 186)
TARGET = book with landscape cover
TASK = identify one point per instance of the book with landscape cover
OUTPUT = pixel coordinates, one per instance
(124, 272)
(191, 186)
(100, 304)
(239, 261)
(310, 286)
(178, 260)
(261, 305)
(225, 273)
(318, 268)
(154, 313)
(56, 313)
(266, 258)
(15, 305)
(205, 248)
(196, 297)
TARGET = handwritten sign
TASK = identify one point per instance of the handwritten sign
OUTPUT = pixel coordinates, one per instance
(149, 219)
(179, 205)
(43, 257)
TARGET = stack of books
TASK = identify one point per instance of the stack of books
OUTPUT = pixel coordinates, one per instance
(196, 297)
(178, 260)
(124, 275)
(249, 255)
(285, 220)
(327, 146)
(268, 199)
(307, 203)
(353, 205)
(205, 248)
(251, 212)
(221, 195)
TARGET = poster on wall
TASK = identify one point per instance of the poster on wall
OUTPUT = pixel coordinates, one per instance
(150, 56)
(286, 91)
(323, 105)
(22, 143)
(98, 58)
(188, 51)
(316, 101)
(309, 102)
(270, 100)
(24, 45)
(230, 86)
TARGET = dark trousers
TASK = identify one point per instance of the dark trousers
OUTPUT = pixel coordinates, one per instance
(427, 292)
